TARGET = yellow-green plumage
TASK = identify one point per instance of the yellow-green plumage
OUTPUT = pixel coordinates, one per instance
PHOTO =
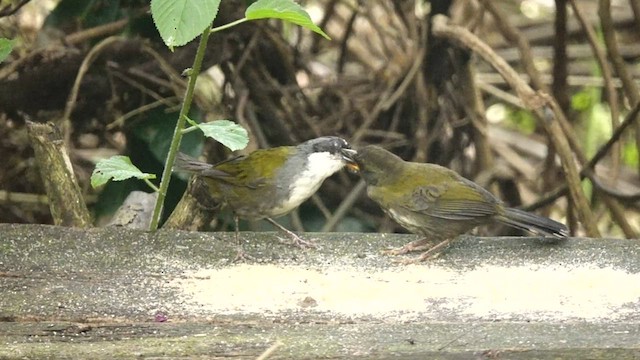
(437, 202)
(269, 182)
(248, 184)
(252, 170)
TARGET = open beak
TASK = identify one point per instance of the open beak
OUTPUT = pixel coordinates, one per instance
(348, 156)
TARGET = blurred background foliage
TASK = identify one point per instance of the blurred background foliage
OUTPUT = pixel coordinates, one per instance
(383, 78)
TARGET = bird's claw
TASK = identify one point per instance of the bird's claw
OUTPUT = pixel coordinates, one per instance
(427, 255)
(300, 242)
(395, 251)
(407, 248)
(242, 256)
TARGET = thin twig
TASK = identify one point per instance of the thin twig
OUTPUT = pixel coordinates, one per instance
(500, 94)
(560, 68)
(140, 110)
(178, 85)
(11, 9)
(348, 29)
(96, 32)
(270, 350)
(617, 133)
(406, 81)
(344, 207)
(317, 201)
(84, 67)
(635, 7)
(328, 12)
(137, 85)
(23, 198)
(513, 36)
(573, 80)
(630, 87)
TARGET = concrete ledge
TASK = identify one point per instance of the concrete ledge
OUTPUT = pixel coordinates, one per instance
(105, 293)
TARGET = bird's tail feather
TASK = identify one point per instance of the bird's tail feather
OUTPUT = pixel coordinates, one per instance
(533, 223)
(187, 163)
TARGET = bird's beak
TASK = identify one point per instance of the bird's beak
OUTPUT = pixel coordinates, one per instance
(348, 156)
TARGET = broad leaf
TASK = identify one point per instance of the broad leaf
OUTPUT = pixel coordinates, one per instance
(117, 168)
(226, 132)
(285, 10)
(6, 45)
(180, 21)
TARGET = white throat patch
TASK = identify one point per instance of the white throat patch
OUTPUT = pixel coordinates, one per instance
(319, 167)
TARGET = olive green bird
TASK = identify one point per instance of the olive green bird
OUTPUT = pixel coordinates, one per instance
(270, 183)
(436, 202)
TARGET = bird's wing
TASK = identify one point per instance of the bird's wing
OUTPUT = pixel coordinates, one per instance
(231, 171)
(452, 200)
(254, 170)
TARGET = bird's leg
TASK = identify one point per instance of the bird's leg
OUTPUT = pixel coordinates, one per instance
(432, 252)
(418, 245)
(295, 239)
(241, 255)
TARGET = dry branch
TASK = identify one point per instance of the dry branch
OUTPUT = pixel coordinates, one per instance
(65, 199)
(194, 210)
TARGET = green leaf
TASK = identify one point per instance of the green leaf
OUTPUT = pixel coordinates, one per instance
(630, 154)
(6, 45)
(117, 168)
(180, 21)
(285, 10)
(583, 100)
(522, 121)
(228, 133)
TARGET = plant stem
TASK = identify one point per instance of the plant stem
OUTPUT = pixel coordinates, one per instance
(151, 185)
(189, 129)
(226, 26)
(177, 134)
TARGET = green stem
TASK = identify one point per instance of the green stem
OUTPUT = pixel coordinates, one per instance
(189, 129)
(233, 23)
(151, 185)
(177, 134)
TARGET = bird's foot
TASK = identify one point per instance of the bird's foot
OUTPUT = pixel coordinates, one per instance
(427, 255)
(295, 239)
(242, 256)
(430, 254)
(418, 245)
(299, 242)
